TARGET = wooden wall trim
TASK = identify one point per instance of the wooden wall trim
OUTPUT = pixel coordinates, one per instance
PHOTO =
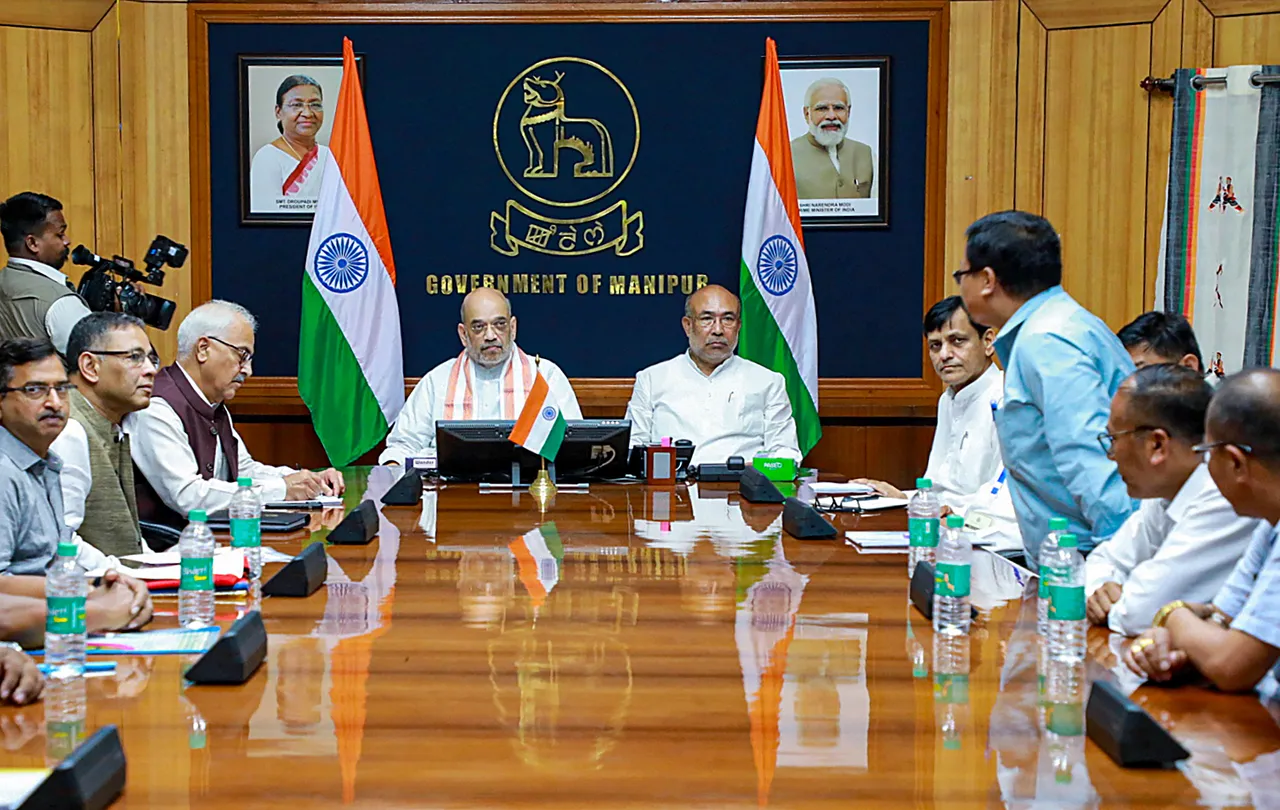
(1058, 14)
(1237, 8)
(1033, 57)
(62, 15)
(839, 396)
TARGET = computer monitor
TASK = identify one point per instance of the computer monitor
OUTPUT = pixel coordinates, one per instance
(482, 450)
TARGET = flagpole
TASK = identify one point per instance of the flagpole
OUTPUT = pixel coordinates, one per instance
(543, 488)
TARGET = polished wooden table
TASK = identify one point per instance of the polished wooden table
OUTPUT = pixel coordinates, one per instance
(646, 647)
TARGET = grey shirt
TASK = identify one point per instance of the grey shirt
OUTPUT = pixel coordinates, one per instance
(31, 523)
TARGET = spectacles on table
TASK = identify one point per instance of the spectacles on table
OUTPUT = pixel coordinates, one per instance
(246, 355)
(39, 391)
(134, 357)
(1108, 439)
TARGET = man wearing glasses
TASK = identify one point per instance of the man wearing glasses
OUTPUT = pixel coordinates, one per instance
(1233, 642)
(1062, 366)
(725, 405)
(1185, 537)
(184, 444)
(110, 355)
(33, 411)
(489, 379)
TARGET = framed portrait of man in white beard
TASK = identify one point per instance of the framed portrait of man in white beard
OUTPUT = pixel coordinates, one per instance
(837, 119)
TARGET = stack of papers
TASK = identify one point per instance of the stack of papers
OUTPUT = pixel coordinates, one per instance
(318, 502)
(825, 488)
(890, 542)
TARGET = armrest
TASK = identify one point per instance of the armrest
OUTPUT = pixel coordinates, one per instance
(158, 536)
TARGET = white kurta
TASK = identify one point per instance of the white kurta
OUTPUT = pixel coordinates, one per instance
(966, 450)
(740, 409)
(414, 432)
(271, 166)
(163, 454)
(1179, 549)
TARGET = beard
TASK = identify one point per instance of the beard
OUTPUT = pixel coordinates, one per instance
(828, 137)
(57, 263)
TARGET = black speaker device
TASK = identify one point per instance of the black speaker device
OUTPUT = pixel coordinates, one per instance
(89, 779)
(1130, 736)
(803, 522)
(301, 576)
(731, 470)
(236, 656)
(756, 488)
(405, 492)
(358, 528)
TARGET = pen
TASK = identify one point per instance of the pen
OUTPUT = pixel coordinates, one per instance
(1000, 481)
(92, 666)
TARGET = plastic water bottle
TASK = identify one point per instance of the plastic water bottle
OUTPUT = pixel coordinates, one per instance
(951, 580)
(64, 715)
(1057, 525)
(66, 588)
(246, 525)
(923, 512)
(195, 590)
(1067, 625)
(951, 688)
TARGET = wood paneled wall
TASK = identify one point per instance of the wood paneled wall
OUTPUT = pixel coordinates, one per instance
(1044, 114)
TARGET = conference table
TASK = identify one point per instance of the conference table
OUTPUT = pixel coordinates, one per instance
(630, 646)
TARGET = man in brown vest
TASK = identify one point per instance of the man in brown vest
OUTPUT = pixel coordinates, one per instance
(111, 366)
(36, 300)
(184, 445)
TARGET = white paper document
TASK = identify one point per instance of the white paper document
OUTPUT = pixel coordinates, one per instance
(892, 540)
(168, 564)
(835, 488)
(318, 502)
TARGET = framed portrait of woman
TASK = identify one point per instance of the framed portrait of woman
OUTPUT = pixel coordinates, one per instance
(286, 112)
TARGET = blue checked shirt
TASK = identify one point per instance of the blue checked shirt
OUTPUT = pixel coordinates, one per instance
(1251, 596)
(31, 520)
(1062, 366)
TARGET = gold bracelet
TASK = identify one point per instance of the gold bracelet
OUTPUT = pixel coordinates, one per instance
(1163, 614)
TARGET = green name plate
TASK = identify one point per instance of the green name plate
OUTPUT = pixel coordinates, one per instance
(776, 469)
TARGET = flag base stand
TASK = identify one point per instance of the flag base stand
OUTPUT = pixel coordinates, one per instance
(548, 471)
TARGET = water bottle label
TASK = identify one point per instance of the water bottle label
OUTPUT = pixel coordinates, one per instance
(197, 574)
(1048, 575)
(924, 532)
(246, 532)
(65, 615)
(1066, 719)
(952, 688)
(951, 579)
(1066, 602)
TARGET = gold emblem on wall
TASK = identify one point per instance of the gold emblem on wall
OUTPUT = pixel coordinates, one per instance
(569, 121)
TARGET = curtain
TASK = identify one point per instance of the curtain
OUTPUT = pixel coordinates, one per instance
(1221, 237)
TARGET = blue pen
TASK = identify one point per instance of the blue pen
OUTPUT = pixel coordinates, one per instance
(1000, 481)
(91, 666)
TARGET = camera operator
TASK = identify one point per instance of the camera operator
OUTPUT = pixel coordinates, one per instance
(36, 300)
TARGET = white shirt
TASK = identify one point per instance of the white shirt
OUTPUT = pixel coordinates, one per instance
(740, 409)
(270, 167)
(72, 446)
(64, 313)
(164, 456)
(1179, 549)
(414, 432)
(966, 450)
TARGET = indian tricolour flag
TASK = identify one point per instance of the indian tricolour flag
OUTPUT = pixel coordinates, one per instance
(539, 555)
(779, 324)
(540, 428)
(350, 366)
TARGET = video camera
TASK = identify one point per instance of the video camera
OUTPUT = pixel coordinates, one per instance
(100, 289)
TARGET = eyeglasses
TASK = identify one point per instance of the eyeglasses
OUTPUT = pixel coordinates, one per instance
(1108, 439)
(500, 326)
(246, 355)
(706, 321)
(135, 357)
(959, 274)
(298, 106)
(38, 391)
(1207, 447)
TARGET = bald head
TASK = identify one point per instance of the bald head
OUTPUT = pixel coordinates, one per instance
(711, 322)
(488, 329)
(1246, 410)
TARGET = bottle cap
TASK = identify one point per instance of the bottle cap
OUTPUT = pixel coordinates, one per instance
(924, 483)
(67, 550)
(244, 481)
(955, 521)
(197, 516)
(1068, 541)
(1058, 524)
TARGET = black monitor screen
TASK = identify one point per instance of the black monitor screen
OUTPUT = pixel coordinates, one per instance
(481, 450)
